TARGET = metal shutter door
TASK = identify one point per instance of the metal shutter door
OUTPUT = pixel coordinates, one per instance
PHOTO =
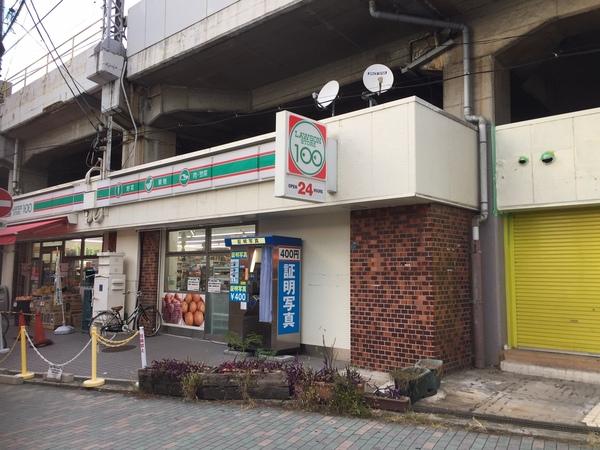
(554, 280)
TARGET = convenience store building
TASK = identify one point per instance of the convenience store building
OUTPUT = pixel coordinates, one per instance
(386, 271)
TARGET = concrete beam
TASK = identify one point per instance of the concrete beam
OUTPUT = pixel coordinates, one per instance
(347, 70)
(63, 134)
(222, 24)
(165, 99)
(33, 100)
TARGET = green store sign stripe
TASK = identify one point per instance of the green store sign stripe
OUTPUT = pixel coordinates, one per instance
(58, 202)
(186, 176)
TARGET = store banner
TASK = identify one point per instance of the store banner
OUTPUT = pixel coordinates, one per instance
(301, 163)
(182, 309)
(238, 291)
(288, 310)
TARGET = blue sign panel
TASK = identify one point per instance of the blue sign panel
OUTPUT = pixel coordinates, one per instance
(238, 293)
(288, 310)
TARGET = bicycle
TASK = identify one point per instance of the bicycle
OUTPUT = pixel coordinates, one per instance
(110, 322)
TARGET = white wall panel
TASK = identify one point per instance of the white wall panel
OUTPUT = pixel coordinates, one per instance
(574, 176)
(325, 273)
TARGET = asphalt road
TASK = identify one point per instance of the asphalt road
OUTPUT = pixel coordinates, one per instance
(44, 417)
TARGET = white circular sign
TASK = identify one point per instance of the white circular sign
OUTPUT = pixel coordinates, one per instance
(307, 148)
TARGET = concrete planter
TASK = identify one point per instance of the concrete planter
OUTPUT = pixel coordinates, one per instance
(401, 404)
(159, 384)
(229, 386)
(220, 386)
(416, 382)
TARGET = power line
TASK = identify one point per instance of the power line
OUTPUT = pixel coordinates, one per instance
(35, 24)
(58, 66)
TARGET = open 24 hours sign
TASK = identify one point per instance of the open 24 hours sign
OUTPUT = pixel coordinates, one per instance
(300, 158)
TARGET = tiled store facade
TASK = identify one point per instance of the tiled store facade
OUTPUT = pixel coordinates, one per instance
(410, 286)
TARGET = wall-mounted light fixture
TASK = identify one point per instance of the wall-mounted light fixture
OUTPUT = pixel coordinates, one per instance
(548, 157)
(523, 160)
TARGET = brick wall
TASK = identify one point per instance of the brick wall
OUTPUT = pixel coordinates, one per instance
(410, 286)
(150, 242)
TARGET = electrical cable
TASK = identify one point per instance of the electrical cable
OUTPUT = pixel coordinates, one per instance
(31, 29)
(351, 96)
(75, 83)
(58, 67)
(130, 115)
(13, 18)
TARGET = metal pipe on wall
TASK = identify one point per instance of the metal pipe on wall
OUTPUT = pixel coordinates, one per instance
(16, 178)
(482, 123)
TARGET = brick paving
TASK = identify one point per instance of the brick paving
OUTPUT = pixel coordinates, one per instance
(43, 417)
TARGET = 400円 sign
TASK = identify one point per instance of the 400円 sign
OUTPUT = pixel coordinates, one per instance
(300, 158)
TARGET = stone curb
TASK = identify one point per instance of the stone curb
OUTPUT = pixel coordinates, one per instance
(111, 385)
(565, 427)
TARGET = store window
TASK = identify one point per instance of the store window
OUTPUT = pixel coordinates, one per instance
(92, 246)
(73, 248)
(218, 235)
(197, 277)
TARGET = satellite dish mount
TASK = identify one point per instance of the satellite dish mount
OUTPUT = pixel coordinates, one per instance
(378, 79)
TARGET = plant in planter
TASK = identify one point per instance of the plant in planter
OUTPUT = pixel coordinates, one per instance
(415, 382)
(190, 385)
(388, 398)
(251, 342)
(347, 399)
(164, 376)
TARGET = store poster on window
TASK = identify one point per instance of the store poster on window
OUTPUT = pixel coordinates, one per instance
(184, 309)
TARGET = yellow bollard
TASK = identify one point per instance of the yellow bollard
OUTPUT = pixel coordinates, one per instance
(25, 374)
(94, 381)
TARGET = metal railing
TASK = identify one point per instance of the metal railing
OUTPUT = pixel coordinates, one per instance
(82, 40)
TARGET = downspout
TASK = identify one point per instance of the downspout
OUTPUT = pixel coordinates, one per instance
(482, 124)
(16, 179)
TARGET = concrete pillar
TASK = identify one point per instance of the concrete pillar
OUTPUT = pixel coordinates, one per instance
(152, 144)
(32, 180)
(8, 268)
(128, 243)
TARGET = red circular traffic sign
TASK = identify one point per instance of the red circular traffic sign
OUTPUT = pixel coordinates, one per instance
(6, 202)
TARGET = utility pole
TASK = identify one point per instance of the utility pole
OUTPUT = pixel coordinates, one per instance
(110, 60)
(1, 40)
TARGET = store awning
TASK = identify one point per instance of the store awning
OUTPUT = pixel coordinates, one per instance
(45, 228)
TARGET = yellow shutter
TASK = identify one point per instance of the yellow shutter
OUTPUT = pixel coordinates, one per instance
(553, 271)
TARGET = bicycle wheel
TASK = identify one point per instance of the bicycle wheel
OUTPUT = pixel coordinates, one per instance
(107, 323)
(150, 319)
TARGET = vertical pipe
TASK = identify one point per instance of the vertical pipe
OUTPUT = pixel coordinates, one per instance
(16, 181)
(477, 293)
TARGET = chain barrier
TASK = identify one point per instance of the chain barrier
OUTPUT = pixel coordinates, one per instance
(50, 363)
(111, 343)
(10, 351)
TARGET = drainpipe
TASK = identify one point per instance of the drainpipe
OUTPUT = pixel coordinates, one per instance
(16, 181)
(482, 124)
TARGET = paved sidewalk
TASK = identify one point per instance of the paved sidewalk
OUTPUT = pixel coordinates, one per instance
(503, 395)
(122, 364)
(41, 417)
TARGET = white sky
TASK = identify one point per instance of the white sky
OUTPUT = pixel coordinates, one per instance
(69, 18)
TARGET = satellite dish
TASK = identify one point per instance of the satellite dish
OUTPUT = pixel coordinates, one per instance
(378, 78)
(328, 94)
